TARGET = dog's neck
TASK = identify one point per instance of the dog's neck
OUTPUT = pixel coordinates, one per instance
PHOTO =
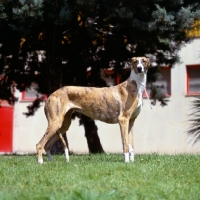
(140, 80)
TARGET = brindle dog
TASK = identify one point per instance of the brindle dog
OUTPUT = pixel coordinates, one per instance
(118, 104)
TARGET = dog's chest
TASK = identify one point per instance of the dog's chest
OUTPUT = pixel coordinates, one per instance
(140, 93)
(140, 80)
(137, 112)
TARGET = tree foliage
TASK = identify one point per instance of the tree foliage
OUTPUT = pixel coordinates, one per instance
(88, 34)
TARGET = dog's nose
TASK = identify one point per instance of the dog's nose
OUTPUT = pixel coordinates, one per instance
(139, 69)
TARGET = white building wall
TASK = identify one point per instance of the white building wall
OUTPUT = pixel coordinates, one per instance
(160, 130)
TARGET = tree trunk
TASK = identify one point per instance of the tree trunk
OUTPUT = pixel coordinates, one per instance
(91, 134)
(54, 75)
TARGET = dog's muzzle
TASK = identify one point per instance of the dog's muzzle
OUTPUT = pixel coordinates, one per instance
(140, 69)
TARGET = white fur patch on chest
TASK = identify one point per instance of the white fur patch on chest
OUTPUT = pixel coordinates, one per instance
(140, 80)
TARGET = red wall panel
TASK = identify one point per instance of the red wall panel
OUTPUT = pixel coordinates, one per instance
(6, 128)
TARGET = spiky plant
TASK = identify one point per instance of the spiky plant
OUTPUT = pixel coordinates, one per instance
(194, 129)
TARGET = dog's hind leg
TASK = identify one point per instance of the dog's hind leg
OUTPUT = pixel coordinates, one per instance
(65, 146)
(50, 132)
(65, 126)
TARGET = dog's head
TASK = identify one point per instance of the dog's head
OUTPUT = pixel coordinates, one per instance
(140, 64)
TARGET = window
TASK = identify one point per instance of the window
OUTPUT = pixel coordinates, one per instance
(30, 94)
(164, 83)
(193, 79)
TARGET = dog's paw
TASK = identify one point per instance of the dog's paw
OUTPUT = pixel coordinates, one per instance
(40, 161)
(126, 157)
(67, 154)
(131, 156)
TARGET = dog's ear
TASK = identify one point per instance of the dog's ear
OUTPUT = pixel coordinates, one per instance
(133, 59)
(148, 62)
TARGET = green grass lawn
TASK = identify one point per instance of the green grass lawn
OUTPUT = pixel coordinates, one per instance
(101, 177)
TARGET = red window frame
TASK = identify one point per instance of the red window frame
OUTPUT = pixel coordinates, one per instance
(188, 77)
(109, 72)
(25, 98)
(167, 94)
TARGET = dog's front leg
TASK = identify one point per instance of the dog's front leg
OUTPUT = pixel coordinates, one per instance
(124, 124)
(130, 140)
